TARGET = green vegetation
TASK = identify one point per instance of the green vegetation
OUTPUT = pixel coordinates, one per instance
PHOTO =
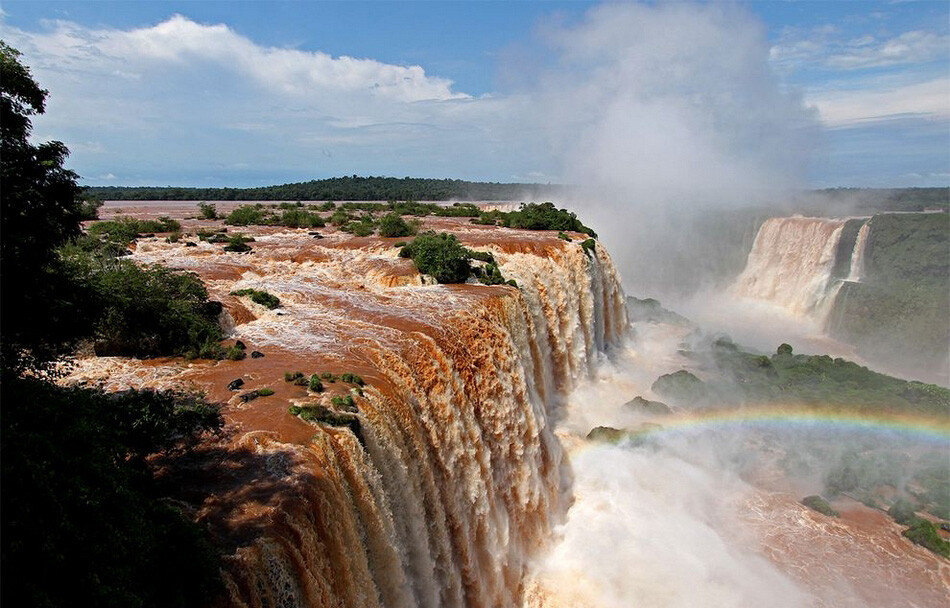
(238, 243)
(589, 246)
(681, 386)
(925, 534)
(392, 225)
(143, 311)
(903, 511)
(207, 211)
(315, 385)
(655, 408)
(123, 230)
(443, 257)
(439, 255)
(258, 215)
(259, 296)
(350, 188)
(265, 392)
(344, 402)
(537, 216)
(320, 413)
(815, 380)
(900, 312)
(606, 434)
(235, 353)
(85, 521)
(651, 311)
(819, 504)
(563, 236)
(352, 379)
(291, 376)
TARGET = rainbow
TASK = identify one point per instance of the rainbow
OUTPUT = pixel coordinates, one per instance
(930, 429)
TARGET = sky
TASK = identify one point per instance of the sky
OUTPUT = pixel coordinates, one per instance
(807, 94)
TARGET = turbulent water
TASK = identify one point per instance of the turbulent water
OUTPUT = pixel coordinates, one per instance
(791, 264)
(856, 271)
(467, 480)
(455, 477)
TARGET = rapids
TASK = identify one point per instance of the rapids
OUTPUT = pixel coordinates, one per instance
(455, 478)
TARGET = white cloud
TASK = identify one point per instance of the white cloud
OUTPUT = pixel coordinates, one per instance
(825, 47)
(180, 43)
(841, 108)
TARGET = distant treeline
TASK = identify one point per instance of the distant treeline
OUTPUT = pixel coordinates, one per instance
(352, 188)
(887, 199)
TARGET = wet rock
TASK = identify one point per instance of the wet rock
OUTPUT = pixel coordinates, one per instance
(656, 408)
(315, 235)
(256, 354)
(235, 384)
(606, 434)
(191, 244)
(240, 345)
(250, 396)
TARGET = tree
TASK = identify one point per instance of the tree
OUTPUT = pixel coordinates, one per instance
(40, 210)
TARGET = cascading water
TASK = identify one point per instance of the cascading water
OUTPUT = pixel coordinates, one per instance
(453, 477)
(857, 256)
(791, 265)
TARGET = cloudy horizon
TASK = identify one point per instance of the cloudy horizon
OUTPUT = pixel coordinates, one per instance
(196, 98)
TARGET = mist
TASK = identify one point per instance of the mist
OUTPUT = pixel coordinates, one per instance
(664, 116)
(709, 515)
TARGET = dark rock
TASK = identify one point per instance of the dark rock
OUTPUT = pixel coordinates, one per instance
(250, 396)
(657, 408)
(680, 386)
(191, 244)
(235, 384)
(315, 235)
(606, 434)
(240, 345)
(256, 354)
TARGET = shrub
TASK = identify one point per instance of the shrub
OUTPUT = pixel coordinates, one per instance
(563, 236)
(149, 311)
(352, 379)
(392, 225)
(258, 296)
(246, 215)
(344, 402)
(819, 504)
(238, 243)
(235, 353)
(265, 392)
(589, 246)
(439, 255)
(925, 534)
(903, 511)
(207, 211)
(315, 385)
(291, 376)
(329, 377)
(545, 216)
(361, 228)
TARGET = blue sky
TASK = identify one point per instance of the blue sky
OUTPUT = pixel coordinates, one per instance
(250, 93)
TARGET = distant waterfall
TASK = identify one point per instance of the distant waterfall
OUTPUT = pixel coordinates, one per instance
(857, 256)
(791, 265)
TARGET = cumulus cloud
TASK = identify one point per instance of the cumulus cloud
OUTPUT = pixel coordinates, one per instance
(181, 100)
(180, 42)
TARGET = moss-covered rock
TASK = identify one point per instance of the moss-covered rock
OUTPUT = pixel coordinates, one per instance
(656, 408)
(819, 504)
(681, 386)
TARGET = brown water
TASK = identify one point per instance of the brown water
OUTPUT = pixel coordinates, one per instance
(456, 477)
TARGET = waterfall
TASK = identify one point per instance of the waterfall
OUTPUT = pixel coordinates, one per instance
(791, 265)
(857, 256)
(455, 478)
